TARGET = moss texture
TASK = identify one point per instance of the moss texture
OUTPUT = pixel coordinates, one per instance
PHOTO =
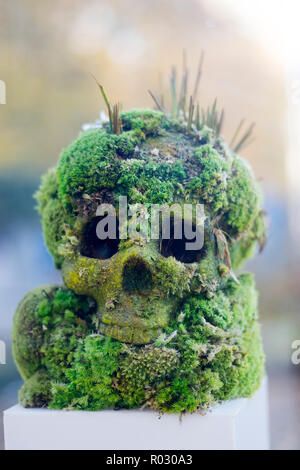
(215, 355)
(161, 165)
(140, 328)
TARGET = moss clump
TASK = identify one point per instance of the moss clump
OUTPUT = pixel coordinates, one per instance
(211, 185)
(36, 392)
(90, 378)
(149, 183)
(142, 372)
(55, 217)
(66, 318)
(228, 187)
(147, 121)
(244, 197)
(245, 246)
(48, 189)
(217, 360)
(173, 277)
(89, 163)
(48, 325)
(215, 310)
(27, 334)
(215, 355)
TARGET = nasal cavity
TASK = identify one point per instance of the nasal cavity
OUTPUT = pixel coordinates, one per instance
(137, 276)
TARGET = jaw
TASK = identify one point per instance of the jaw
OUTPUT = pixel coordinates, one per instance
(136, 320)
(127, 334)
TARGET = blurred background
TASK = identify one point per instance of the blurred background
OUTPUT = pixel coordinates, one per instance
(48, 51)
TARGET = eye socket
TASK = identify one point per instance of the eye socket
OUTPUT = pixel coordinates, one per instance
(93, 247)
(172, 246)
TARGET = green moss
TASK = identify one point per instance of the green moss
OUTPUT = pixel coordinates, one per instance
(142, 371)
(48, 324)
(66, 318)
(90, 378)
(130, 175)
(55, 221)
(27, 334)
(99, 161)
(172, 276)
(148, 121)
(244, 197)
(234, 306)
(228, 187)
(93, 162)
(86, 165)
(215, 310)
(55, 217)
(48, 189)
(158, 182)
(244, 248)
(36, 392)
(220, 349)
(188, 392)
(150, 182)
(227, 365)
(212, 352)
(210, 186)
(251, 370)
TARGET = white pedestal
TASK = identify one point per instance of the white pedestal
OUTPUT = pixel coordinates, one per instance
(239, 424)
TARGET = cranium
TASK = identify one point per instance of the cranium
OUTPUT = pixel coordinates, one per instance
(139, 283)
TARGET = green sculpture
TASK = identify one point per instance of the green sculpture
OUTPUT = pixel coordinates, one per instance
(144, 322)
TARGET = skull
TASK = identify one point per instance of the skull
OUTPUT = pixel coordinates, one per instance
(140, 284)
(145, 320)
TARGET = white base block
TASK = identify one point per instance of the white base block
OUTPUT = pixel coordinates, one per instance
(239, 424)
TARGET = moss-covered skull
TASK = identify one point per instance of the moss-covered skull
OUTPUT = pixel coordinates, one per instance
(171, 328)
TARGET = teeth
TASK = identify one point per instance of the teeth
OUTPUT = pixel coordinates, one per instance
(129, 335)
